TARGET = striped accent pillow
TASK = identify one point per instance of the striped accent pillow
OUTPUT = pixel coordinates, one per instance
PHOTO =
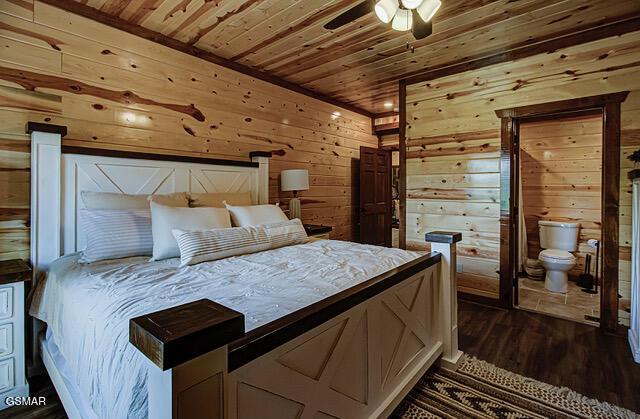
(207, 245)
(113, 234)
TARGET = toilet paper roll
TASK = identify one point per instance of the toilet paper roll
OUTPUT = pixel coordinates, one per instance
(593, 243)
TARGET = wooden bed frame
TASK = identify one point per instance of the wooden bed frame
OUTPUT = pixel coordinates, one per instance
(355, 354)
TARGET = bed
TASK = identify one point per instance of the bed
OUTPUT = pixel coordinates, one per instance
(323, 329)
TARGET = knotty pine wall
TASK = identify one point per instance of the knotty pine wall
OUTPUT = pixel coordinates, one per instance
(117, 91)
(453, 143)
(561, 173)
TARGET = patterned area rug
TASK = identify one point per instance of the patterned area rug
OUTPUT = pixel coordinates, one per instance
(482, 390)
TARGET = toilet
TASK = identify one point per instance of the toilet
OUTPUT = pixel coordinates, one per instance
(558, 239)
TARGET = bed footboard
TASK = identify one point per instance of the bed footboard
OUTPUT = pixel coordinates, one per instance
(354, 355)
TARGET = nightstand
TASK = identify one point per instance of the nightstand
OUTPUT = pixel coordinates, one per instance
(317, 232)
(13, 381)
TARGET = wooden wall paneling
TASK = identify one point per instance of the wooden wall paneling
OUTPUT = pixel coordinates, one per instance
(458, 188)
(298, 151)
(464, 103)
(154, 60)
(168, 42)
(553, 67)
(19, 8)
(286, 41)
(29, 55)
(390, 142)
(117, 91)
(14, 196)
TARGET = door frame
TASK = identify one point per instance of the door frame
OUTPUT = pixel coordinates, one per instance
(609, 106)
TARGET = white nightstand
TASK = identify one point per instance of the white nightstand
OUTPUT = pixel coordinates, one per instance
(13, 380)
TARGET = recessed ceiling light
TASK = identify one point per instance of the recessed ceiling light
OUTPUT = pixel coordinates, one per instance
(388, 105)
(336, 115)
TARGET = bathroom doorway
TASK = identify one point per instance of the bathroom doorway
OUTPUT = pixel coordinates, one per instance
(608, 107)
(560, 183)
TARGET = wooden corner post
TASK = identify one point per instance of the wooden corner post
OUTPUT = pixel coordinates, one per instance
(444, 242)
(188, 358)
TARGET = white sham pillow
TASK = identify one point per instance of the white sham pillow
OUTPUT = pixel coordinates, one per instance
(165, 218)
(254, 215)
(120, 201)
(208, 245)
(114, 234)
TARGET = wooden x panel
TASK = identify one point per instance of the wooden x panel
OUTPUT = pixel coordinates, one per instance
(349, 366)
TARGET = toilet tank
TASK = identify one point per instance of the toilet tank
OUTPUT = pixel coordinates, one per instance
(559, 235)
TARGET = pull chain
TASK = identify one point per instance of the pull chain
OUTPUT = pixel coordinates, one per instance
(411, 47)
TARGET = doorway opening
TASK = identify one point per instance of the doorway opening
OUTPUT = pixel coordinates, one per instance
(609, 107)
(560, 183)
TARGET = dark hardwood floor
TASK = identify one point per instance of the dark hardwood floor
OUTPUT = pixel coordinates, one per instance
(555, 351)
(558, 352)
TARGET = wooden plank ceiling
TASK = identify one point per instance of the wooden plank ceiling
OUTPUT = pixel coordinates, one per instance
(359, 63)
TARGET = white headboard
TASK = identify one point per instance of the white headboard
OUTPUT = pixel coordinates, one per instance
(58, 176)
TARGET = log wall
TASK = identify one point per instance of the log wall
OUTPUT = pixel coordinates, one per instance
(453, 142)
(114, 90)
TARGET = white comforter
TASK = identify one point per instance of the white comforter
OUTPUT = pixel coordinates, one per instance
(87, 307)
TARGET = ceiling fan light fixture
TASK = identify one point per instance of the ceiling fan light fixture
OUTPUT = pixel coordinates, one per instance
(403, 20)
(386, 9)
(411, 4)
(428, 8)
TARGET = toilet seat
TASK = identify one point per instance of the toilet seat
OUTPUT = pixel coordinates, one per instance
(557, 256)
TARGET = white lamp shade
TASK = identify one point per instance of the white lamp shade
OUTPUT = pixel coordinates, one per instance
(402, 20)
(428, 8)
(411, 4)
(386, 9)
(294, 180)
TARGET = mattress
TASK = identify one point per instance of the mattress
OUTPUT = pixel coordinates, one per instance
(87, 307)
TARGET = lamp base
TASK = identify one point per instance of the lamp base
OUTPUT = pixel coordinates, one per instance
(294, 209)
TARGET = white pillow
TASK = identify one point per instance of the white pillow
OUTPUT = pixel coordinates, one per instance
(120, 201)
(256, 215)
(113, 234)
(164, 219)
(207, 245)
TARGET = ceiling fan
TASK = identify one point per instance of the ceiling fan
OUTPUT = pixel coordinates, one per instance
(404, 15)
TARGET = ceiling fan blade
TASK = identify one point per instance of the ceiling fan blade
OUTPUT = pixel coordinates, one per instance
(421, 29)
(350, 15)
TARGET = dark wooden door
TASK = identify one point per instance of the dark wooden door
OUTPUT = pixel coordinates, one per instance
(375, 196)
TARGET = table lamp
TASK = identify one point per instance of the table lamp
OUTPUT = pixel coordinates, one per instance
(294, 180)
